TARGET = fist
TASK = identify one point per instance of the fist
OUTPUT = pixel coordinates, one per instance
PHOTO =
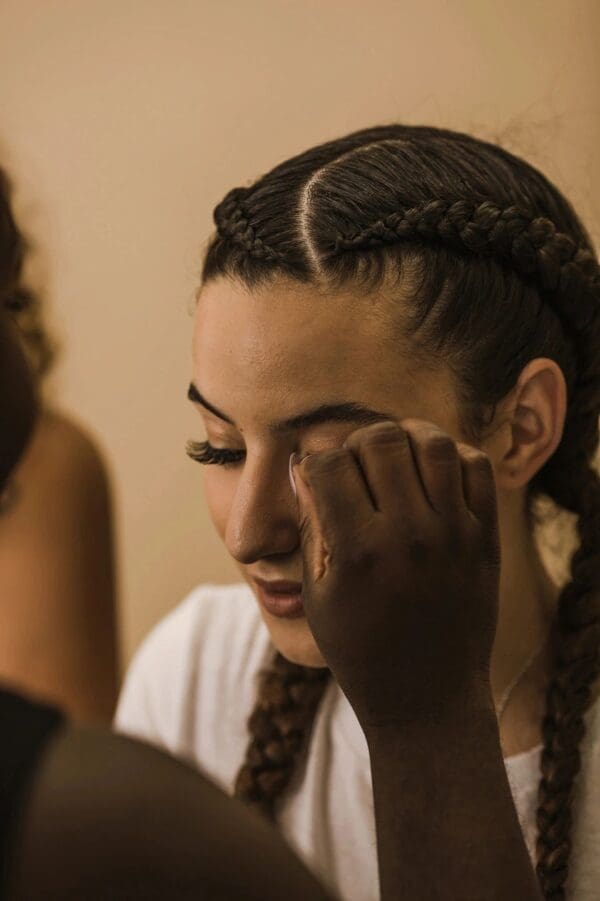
(401, 554)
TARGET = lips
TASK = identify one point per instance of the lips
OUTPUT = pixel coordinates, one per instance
(279, 586)
(281, 598)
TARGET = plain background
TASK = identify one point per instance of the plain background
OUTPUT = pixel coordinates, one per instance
(123, 123)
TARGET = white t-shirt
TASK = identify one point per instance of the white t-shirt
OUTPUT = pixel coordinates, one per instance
(192, 686)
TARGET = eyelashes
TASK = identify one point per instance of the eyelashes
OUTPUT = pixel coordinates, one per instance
(204, 452)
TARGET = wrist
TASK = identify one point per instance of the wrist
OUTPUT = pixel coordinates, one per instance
(472, 717)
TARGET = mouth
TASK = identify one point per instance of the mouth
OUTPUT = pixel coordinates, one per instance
(281, 598)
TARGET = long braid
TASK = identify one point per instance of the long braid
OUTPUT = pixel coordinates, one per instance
(565, 273)
(280, 726)
(576, 667)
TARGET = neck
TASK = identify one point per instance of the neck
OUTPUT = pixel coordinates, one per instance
(527, 609)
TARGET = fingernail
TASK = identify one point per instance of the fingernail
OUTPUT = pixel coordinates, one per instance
(296, 458)
(291, 463)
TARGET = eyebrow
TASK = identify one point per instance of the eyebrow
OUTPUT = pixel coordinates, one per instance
(347, 411)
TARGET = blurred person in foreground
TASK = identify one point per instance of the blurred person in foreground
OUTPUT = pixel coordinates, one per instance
(85, 814)
(58, 632)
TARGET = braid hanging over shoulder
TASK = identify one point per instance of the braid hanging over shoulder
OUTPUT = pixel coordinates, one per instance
(280, 727)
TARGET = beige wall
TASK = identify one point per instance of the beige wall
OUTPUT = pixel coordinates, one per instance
(124, 123)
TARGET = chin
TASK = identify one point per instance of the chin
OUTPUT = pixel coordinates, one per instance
(293, 639)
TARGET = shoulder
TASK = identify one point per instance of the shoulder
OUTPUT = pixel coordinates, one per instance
(203, 652)
(211, 614)
(62, 461)
(61, 443)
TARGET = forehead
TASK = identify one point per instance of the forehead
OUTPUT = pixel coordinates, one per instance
(285, 329)
(284, 340)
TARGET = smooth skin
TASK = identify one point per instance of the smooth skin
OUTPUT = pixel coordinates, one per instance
(58, 617)
(107, 817)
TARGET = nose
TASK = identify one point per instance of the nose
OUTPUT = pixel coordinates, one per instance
(263, 517)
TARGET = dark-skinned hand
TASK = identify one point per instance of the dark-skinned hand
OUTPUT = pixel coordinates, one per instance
(401, 568)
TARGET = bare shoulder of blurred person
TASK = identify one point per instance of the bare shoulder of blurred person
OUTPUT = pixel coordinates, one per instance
(58, 636)
(85, 814)
(109, 817)
(57, 582)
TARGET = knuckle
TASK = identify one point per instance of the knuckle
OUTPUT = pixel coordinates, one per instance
(479, 461)
(383, 437)
(471, 453)
(440, 447)
(324, 462)
(375, 433)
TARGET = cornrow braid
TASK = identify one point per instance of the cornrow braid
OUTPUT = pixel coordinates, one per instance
(531, 245)
(233, 224)
(288, 698)
(564, 271)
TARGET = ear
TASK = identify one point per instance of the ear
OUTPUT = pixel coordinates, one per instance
(535, 421)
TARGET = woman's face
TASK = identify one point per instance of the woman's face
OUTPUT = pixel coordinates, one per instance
(17, 399)
(266, 356)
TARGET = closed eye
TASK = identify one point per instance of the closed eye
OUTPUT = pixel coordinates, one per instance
(204, 452)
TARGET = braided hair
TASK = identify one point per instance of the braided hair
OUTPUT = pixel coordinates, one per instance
(23, 304)
(501, 272)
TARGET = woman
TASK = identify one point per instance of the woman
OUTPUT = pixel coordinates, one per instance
(418, 311)
(88, 814)
(58, 634)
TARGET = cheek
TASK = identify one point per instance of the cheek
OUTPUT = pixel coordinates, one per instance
(219, 488)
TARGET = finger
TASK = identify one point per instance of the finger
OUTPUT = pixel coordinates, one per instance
(313, 546)
(438, 460)
(386, 457)
(479, 487)
(340, 496)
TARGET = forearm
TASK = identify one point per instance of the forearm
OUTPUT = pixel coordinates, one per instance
(446, 823)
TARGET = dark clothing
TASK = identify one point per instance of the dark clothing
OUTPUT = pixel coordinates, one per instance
(25, 727)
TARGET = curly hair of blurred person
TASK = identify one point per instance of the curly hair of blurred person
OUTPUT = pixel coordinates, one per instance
(56, 508)
(504, 272)
(24, 304)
